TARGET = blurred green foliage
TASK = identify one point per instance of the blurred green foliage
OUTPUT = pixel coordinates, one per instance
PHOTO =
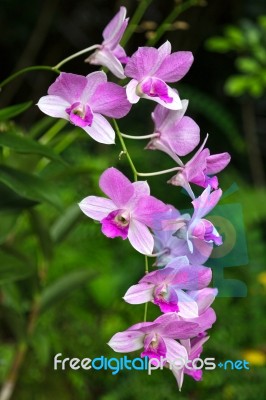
(62, 281)
(248, 42)
(52, 253)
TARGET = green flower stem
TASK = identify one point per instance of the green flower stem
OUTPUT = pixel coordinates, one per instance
(125, 151)
(79, 53)
(134, 21)
(135, 173)
(146, 304)
(177, 10)
(68, 139)
(53, 131)
(166, 171)
(152, 135)
(9, 385)
(25, 70)
(160, 253)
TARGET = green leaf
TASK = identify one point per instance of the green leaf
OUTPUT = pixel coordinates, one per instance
(236, 85)
(42, 232)
(219, 44)
(12, 268)
(63, 287)
(26, 145)
(262, 21)
(12, 111)
(235, 36)
(8, 220)
(65, 223)
(29, 186)
(9, 200)
(247, 65)
(40, 127)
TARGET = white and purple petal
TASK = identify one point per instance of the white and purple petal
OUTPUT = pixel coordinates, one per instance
(96, 208)
(140, 237)
(127, 341)
(101, 130)
(139, 294)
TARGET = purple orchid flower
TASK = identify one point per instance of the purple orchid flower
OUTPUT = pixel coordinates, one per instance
(199, 169)
(128, 212)
(155, 337)
(194, 348)
(204, 299)
(158, 338)
(110, 54)
(176, 134)
(168, 247)
(151, 68)
(198, 233)
(165, 287)
(83, 100)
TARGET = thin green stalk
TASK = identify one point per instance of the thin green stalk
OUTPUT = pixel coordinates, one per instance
(123, 145)
(25, 70)
(146, 304)
(58, 149)
(135, 173)
(152, 135)
(53, 131)
(179, 9)
(134, 21)
(166, 171)
(79, 53)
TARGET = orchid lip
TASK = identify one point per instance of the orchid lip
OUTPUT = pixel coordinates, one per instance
(154, 87)
(116, 224)
(80, 115)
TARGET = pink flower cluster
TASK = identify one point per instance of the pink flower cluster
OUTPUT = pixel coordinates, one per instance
(180, 243)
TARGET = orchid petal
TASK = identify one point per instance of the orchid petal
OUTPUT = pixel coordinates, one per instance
(54, 106)
(116, 186)
(113, 32)
(175, 66)
(205, 202)
(164, 118)
(188, 307)
(93, 81)
(106, 58)
(217, 162)
(101, 130)
(139, 294)
(123, 342)
(96, 207)
(174, 352)
(142, 63)
(131, 91)
(204, 298)
(149, 210)
(165, 49)
(190, 277)
(68, 86)
(174, 105)
(110, 99)
(141, 188)
(140, 237)
(183, 136)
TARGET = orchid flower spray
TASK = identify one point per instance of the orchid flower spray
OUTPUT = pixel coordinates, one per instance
(179, 244)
